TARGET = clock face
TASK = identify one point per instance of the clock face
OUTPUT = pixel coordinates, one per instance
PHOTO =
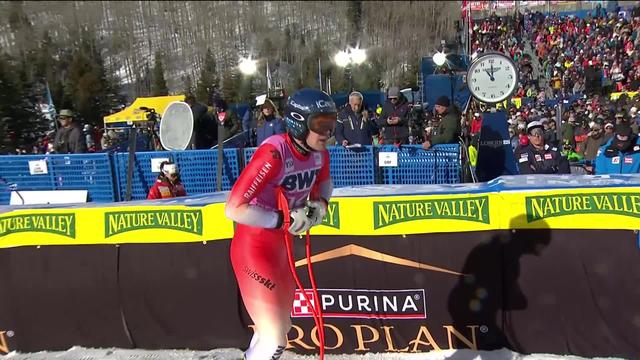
(492, 78)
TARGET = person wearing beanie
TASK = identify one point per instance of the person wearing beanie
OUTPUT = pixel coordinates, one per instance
(228, 118)
(394, 120)
(537, 157)
(448, 129)
(621, 154)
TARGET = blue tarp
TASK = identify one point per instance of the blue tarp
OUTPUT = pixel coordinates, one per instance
(435, 86)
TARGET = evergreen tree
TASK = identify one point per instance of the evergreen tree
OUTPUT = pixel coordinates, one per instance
(88, 87)
(188, 85)
(21, 123)
(143, 82)
(159, 85)
(354, 16)
(208, 83)
(230, 85)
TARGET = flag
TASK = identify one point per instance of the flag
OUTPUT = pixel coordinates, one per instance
(268, 77)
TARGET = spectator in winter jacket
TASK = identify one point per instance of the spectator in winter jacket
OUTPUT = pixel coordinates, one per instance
(206, 130)
(229, 120)
(69, 138)
(269, 122)
(448, 129)
(168, 184)
(476, 124)
(595, 139)
(621, 155)
(354, 125)
(393, 121)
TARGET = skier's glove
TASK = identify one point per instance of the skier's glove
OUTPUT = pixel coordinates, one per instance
(317, 211)
(300, 222)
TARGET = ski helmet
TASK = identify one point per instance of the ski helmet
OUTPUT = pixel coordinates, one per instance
(302, 107)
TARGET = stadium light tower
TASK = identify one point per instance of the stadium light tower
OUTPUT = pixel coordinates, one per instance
(247, 66)
(347, 59)
(439, 58)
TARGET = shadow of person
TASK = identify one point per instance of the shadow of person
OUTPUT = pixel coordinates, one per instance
(489, 288)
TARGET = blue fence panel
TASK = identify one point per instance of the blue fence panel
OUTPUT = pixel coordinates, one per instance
(440, 165)
(448, 169)
(91, 172)
(247, 154)
(355, 166)
(198, 171)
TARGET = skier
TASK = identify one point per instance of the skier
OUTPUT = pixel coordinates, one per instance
(296, 163)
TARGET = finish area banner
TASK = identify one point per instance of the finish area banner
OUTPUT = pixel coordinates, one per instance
(530, 290)
(537, 264)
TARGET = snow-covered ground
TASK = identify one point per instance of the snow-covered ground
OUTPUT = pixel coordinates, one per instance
(78, 353)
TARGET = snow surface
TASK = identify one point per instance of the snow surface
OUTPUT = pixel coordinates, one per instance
(79, 353)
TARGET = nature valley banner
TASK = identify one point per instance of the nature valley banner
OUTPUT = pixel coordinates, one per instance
(427, 214)
(58, 224)
(603, 208)
(115, 225)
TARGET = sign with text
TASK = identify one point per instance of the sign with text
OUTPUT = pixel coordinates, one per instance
(388, 159)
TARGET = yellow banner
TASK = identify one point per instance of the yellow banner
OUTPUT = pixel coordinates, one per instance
(585, 208)
(603, 208)
(616, 95)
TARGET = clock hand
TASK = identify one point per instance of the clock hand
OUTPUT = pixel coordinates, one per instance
(492, 72)
(490, 75)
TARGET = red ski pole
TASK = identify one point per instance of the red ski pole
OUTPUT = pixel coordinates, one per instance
(283, 205)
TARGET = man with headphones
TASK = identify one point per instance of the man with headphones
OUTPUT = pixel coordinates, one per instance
(168, 184)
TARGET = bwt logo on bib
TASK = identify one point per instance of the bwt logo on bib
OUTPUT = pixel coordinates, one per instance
(300, 181)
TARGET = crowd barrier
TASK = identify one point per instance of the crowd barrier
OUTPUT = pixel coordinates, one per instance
(523, 262)
(104, 175)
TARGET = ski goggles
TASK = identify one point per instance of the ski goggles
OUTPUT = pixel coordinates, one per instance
(323, 124)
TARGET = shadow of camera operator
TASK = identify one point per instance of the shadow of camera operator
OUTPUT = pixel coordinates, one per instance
(489, 288)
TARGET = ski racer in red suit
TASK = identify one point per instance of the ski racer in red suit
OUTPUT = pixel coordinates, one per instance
(296, 163)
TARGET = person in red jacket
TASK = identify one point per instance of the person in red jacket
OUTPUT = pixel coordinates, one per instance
(168, 184)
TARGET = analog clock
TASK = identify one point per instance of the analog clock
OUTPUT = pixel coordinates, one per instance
(492, 78)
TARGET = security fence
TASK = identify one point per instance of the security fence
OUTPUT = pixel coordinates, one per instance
(104, 175)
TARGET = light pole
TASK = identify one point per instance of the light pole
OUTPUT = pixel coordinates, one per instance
(440, 59)
(347, 59)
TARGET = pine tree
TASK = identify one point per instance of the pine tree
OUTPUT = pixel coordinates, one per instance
(159, 85)
(208, 84)
(21, 123)
(188, 85)
(230, 85)
(88, 87)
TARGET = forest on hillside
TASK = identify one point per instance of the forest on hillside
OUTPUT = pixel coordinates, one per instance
(96, 55)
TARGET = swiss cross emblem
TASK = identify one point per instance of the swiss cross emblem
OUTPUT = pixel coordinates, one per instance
(628, 160)
(548, 156)
(302, 307)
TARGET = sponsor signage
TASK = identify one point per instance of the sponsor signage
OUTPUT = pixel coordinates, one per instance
(363, 303)
(543, 207)
(474, 209)
(59, 224)
(189, 221)
(332, 219)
